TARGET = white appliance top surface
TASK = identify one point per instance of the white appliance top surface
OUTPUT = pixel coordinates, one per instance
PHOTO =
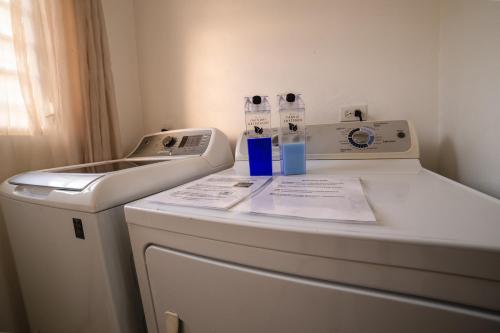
(151, 149)
(77, 177)
(160, 161)
(411, 204)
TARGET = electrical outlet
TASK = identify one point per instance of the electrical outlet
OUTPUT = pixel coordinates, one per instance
(347, 113)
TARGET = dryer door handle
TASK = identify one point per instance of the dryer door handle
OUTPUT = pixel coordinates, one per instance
(172, 322)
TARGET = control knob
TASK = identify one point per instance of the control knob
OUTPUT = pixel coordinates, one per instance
(169, 141)
(361, 137)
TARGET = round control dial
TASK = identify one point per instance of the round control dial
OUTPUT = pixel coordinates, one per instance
(169, 141)
(361, 137)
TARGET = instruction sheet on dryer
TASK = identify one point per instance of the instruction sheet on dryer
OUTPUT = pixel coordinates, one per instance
(215, 191)
(313, 197)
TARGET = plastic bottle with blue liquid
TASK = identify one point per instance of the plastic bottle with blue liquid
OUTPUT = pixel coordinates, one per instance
(258, 126)
(292, 135)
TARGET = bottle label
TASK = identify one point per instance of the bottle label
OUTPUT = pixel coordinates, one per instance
(292, 123)
(258, 124)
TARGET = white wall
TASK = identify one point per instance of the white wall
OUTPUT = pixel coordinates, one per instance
(119, 17)
(198, 58)
(470, 93)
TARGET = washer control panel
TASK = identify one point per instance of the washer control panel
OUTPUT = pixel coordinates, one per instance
(174, 143)
(378, 136)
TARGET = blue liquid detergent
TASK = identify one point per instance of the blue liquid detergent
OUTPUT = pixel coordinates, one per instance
(260, 156)
(293, 158)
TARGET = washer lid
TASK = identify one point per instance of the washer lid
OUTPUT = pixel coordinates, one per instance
(105, 167)
(61, 181)
(76, 177)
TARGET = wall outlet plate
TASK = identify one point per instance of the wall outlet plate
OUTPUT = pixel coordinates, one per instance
(347, 112)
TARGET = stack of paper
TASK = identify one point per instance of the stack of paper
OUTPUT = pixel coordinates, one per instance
(312, 197)
(215, 191)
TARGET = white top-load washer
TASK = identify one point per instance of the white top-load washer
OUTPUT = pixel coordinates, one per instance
(69, 237)
(429, 264)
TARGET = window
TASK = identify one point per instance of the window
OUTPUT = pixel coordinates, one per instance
(15, 118)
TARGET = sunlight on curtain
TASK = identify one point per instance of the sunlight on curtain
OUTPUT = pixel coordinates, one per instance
(40, 93)
(13, 114)
(57, 103)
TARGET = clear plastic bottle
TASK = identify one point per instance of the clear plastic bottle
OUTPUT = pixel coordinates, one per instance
(292, 135)
(258, 126)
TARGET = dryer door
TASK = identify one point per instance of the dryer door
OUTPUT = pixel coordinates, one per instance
(213, 296)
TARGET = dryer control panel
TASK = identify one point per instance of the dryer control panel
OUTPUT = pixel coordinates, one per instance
(351, 140)
(173, 143)
(381, 136)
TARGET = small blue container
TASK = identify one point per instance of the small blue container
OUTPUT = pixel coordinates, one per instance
(258, 125)
(260, 156)
(293, 159)
(292, 135)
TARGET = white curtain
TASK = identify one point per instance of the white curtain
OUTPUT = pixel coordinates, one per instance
(40, 96)
(102, 135)
(57, 103)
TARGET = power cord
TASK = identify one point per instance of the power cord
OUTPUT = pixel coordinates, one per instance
(358, 114)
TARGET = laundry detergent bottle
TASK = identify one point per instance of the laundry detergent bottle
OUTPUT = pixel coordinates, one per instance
(258, 126)
(292, 134)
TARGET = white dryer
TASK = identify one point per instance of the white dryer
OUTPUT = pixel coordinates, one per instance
(69, 237)
(429, 264)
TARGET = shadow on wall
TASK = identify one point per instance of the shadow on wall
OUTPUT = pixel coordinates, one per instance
(429, 154)
(448, 165)
(12, 312)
